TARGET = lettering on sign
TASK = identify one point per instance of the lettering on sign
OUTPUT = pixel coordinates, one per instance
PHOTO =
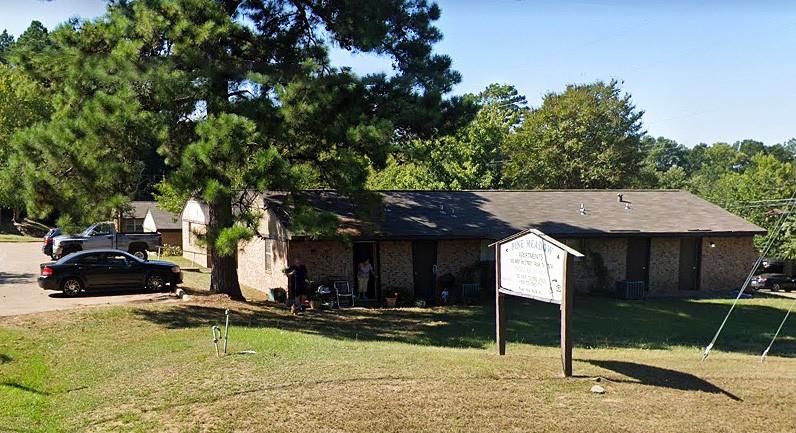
(532, 267)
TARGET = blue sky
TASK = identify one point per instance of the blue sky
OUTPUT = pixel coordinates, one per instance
(702, 71)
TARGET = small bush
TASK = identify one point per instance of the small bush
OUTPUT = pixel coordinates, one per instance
(171, 250)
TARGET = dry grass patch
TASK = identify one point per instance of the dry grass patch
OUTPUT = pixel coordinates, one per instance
(153, 368)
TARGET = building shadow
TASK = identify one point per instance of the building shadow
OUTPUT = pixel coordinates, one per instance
(12, 278)
(598, 322)
(660, 377)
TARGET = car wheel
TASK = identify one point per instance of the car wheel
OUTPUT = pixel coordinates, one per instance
(141, 254)
(72, 287)
(776, 288)
(155, 282)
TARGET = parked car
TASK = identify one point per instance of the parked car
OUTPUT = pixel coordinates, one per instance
(47, 249)
(104, 235)
(774, 282)
(107, 269)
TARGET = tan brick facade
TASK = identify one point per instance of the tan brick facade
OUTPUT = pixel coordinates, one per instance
(396, 264)
(664, 265)
(723, 266)
(323, 258)
(613, 254)
(453, 255)
(726, 265)
(262, 260)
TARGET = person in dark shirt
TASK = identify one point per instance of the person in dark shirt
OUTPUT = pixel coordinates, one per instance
(297, 275)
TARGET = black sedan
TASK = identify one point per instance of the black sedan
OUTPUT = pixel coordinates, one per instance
(107, 269)
(774, 282)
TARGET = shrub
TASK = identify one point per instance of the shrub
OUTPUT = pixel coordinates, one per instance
(171, 250)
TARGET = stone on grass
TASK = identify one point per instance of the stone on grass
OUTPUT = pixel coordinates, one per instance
(597, 389)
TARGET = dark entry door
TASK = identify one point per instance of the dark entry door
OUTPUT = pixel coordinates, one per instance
(638, 259)
(690, 256)
(362, 251)
(424, 265)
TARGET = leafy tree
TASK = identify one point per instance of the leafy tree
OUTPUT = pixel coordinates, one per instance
(662, 153)
(236, 95)
(766, 178)
(469, 158)
(586, 137)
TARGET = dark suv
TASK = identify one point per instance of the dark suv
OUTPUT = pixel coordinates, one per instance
(774, 282)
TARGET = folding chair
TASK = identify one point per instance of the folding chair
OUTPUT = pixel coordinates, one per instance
(343, 291)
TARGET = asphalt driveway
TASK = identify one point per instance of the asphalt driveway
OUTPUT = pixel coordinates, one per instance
(19, 293)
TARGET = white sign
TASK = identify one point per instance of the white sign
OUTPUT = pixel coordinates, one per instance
(533, 266)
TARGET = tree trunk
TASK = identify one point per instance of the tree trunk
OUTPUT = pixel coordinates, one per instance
(224, 275)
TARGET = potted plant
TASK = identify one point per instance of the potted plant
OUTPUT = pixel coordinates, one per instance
(391, 297)
(315, 301)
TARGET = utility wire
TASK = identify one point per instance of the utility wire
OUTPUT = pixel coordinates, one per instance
(776, 334)
(770, 242)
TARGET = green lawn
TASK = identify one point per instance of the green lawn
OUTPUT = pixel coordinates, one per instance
(5, 237)
(153, 368)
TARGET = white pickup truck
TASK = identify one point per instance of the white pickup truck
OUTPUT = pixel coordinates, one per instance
(104, 235)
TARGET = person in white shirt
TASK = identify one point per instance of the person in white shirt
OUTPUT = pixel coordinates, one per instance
(364, 269)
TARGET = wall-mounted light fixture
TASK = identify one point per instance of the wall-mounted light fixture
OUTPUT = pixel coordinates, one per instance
(712, 244)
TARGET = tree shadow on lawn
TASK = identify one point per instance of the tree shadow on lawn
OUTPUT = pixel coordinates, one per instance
(598, 322)
(660, 377)
(11, 278)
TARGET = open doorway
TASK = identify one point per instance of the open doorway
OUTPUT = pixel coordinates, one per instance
(363, 251)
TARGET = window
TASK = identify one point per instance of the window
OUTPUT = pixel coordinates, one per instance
(101, 230)
(86, 259)
(269, 254)
(116, 260)
(133, 225)
(190, 234)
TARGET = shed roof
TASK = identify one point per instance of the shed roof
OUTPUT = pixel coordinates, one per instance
(138, 209)
(497, 214)
(163, 219)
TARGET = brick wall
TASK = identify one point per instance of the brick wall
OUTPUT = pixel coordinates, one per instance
(396, 264)
(262, 259)
(664, 269)
(323, 258)
(454, 255)
(614, 256)
(725, 266)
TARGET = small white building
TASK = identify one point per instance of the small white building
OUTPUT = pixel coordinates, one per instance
(195, 217)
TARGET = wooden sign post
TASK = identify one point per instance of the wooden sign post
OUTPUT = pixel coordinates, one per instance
(533, 265)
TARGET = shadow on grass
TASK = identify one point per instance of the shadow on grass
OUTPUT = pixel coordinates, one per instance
(598, 322)
(5, 358)
(661, 377)
(12, 278)
(94, 293)
(21, 387)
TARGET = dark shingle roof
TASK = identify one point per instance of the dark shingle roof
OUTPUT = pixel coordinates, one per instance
(165, 220)
(497, 214)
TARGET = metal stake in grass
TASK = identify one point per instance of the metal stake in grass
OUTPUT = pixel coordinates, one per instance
(216, 335)
(226, 330)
